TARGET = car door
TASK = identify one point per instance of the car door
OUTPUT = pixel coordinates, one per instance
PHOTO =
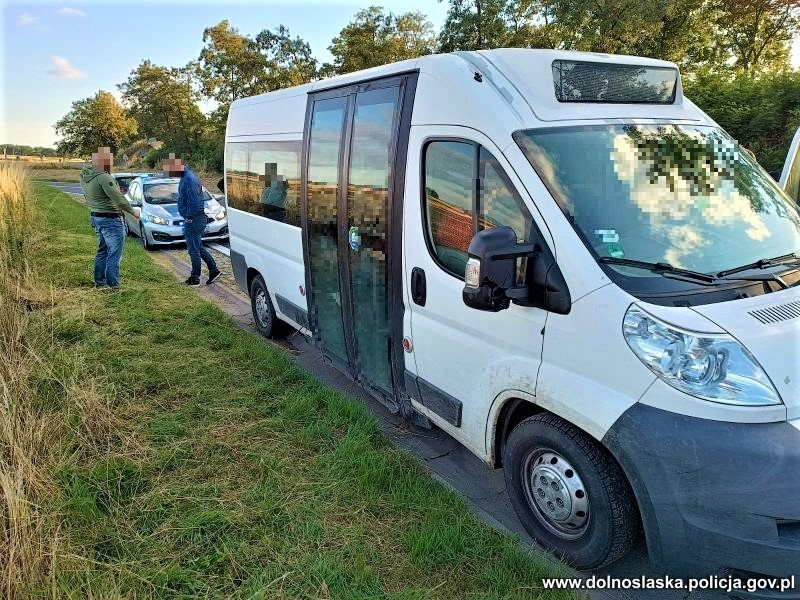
(461, 359)
(131, 222)
(790, 176)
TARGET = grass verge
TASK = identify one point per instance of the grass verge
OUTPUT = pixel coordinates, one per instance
(188, 458)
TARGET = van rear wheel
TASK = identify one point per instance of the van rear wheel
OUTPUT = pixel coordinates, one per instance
(569, 493)
(264, 315)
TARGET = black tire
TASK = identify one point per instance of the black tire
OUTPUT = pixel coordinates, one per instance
(147, 245)
(594, 478)
(264, 316)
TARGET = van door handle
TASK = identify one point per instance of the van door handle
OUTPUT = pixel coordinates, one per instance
(419, 287)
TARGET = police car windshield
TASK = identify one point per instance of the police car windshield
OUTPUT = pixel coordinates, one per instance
(166, 193)
(688, 196)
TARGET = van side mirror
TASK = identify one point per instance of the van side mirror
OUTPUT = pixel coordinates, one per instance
(491, 274)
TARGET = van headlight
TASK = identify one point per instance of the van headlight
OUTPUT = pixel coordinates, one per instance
(709, 366)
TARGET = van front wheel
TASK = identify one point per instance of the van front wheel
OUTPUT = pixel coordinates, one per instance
(569, 493)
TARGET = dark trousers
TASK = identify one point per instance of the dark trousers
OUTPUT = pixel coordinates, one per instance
(193, 232)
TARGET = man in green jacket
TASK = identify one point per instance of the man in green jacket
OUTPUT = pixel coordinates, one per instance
(106, 204)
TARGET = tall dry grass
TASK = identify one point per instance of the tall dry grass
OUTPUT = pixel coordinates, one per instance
(24, 545)
(54, 412)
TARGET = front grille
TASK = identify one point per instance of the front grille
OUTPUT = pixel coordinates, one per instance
(777, 313)
(165, 237)
(210, 219)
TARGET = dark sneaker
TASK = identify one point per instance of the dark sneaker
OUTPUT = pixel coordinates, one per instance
(213, 276)
(192, 282)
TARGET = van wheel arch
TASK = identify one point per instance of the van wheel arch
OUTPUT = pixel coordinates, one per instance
(252, 274)
(513, 412)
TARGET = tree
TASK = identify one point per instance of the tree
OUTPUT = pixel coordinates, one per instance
(92, 122)
(762, 112)
(375, 38)
(478, 24)
(164, 103)
(233, 65)
(757, 33)
(696, 34)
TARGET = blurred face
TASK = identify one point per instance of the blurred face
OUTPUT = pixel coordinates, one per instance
(103, 159)
(173, 166)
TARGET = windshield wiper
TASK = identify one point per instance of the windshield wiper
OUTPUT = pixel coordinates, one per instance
(764, 263)
(659, 267)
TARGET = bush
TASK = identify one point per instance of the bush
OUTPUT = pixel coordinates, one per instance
(762, 113)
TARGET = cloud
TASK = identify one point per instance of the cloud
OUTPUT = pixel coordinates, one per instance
(74, 12)
(62, 68)
(24, 19)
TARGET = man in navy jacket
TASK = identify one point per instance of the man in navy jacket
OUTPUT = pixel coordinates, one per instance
(191, 207)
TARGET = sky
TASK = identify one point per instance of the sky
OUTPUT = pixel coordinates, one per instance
(56, 53)
(53, 53)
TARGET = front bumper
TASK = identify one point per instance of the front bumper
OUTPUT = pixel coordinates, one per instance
(173, 234)
(716, 498)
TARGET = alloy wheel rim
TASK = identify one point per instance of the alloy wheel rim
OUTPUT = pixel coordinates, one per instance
(556, 493)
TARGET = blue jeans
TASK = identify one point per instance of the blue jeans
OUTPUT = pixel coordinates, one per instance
(110, 240)
(193, 232)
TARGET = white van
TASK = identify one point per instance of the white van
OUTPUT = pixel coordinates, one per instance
(561, 261)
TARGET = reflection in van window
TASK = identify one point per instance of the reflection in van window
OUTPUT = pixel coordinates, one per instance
(263, 178)
(685, 195)
(274, 176)
(793, 180)
(500, 204)
(449, 201)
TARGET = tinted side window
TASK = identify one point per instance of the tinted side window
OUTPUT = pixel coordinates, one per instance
(236, 175)
(454, 172)
(450, 201)
(500, 203)
(274, 181)
(263, 178)
(793, 180)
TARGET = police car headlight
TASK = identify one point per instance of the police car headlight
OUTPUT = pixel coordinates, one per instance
(155, 219)
(220, 215)
(713, 367)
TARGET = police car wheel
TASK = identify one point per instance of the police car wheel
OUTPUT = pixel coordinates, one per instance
(569, 492)
(147, 245)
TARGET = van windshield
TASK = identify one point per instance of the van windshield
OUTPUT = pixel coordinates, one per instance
(685, 195)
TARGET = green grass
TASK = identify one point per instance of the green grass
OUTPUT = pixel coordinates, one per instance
(226, 471)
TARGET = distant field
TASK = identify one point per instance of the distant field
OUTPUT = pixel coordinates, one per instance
(56, 174)
(37, 159)
(71, 172)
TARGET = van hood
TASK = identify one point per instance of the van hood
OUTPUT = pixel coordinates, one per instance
(769, 327)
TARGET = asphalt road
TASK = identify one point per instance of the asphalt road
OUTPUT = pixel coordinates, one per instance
(482, 487)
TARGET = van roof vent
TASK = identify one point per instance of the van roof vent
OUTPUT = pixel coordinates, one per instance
(778, 312)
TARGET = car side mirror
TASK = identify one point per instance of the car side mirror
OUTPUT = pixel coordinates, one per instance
(491, 274)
